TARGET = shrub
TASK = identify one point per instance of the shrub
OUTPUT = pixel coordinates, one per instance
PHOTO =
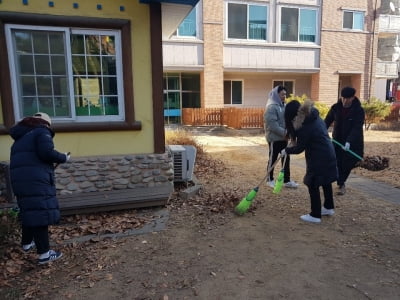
(375, 111)
(322, 107)
(9, 227)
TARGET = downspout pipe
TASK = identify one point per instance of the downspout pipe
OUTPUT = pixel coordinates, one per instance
(372, 53)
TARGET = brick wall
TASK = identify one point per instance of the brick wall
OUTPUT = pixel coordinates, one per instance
(346, 53)
(106, 173)
(213, 33)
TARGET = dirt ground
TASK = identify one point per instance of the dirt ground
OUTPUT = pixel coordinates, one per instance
(207, 252)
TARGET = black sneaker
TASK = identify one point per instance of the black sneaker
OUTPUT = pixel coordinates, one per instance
(53, 255)
(342, 190)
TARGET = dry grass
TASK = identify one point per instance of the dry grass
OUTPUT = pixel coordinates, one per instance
(182, 137)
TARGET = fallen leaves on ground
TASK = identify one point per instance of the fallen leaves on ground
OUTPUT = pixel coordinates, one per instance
(20, 271)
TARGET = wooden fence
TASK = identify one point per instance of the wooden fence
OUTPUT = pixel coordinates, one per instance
(232, 117)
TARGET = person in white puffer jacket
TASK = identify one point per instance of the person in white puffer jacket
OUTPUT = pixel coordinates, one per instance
(275, 134)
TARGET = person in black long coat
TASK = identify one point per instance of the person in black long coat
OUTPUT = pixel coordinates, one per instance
(32, 162)
(347, 116)
(309, 133)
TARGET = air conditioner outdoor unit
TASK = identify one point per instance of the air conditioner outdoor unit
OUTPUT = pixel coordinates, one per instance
(183, 157)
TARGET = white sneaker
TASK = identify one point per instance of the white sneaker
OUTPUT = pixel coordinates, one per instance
(291, 184)
(28, 247)
(271, 183)
(327, 212)
(49, 256)
(310, 219)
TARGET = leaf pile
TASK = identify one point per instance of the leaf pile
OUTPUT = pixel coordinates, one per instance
(222, 201)
(374, 163)
(206, 166)
(100, 223)
(204, 202)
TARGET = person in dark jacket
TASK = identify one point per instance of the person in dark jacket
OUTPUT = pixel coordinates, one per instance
(309, 134)
(32, 162)
(347, 116)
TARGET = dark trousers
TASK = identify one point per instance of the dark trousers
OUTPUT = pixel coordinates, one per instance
(38, 234)
(315, 198)
(274, 149)
(344, 166)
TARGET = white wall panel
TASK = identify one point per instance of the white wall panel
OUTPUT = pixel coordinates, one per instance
(257, 57)
(182, 54)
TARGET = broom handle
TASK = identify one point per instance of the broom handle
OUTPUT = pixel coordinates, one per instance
(352, 152)
(284, 161)
(269, 170)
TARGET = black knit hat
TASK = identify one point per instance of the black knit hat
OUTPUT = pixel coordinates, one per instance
(291, 110)
(348, 92)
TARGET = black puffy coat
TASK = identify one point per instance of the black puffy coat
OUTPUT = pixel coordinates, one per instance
(312, 138)
(348, 128)
(32, 173)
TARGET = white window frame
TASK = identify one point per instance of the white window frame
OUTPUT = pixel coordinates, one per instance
(267, 32)
(178, 36)
(317, 29)
(353, 11)
(67, 35)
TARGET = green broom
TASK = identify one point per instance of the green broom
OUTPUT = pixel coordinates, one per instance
(246, 202)
(279, 181)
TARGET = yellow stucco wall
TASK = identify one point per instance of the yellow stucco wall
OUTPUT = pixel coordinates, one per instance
(104, 143)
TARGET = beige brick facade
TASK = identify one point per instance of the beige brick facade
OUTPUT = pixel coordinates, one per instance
(342, 57)
(213, 34)
(347, 57)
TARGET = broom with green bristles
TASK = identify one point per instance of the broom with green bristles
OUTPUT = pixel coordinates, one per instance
(245, 203)
(279, 180)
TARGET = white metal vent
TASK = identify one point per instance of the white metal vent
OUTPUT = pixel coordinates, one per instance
(183, 157)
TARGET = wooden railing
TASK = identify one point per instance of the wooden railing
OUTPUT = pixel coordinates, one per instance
(233, 117)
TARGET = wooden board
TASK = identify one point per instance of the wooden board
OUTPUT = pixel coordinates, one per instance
(114, 200)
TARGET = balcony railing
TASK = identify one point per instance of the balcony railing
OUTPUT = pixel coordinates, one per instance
(389, 23)
(387, 69)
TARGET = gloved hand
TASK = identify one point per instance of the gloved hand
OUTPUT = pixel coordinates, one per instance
(346, 146)
(283, 153)
(67, 156)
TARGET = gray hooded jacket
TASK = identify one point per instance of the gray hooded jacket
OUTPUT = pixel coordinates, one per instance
(274, 118)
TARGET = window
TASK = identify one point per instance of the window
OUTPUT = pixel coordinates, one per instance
(288, 84)
(190, 90)
(233, 92)
(298, 24)
(180, 91)
(70, 74)
(353, 20)
(246, 21)
(188, 26)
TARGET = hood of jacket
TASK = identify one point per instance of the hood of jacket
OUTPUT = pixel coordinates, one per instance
(273, 97)
(19, 130)
(305, 114)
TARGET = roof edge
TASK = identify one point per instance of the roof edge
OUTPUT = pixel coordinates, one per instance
(184, 2)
